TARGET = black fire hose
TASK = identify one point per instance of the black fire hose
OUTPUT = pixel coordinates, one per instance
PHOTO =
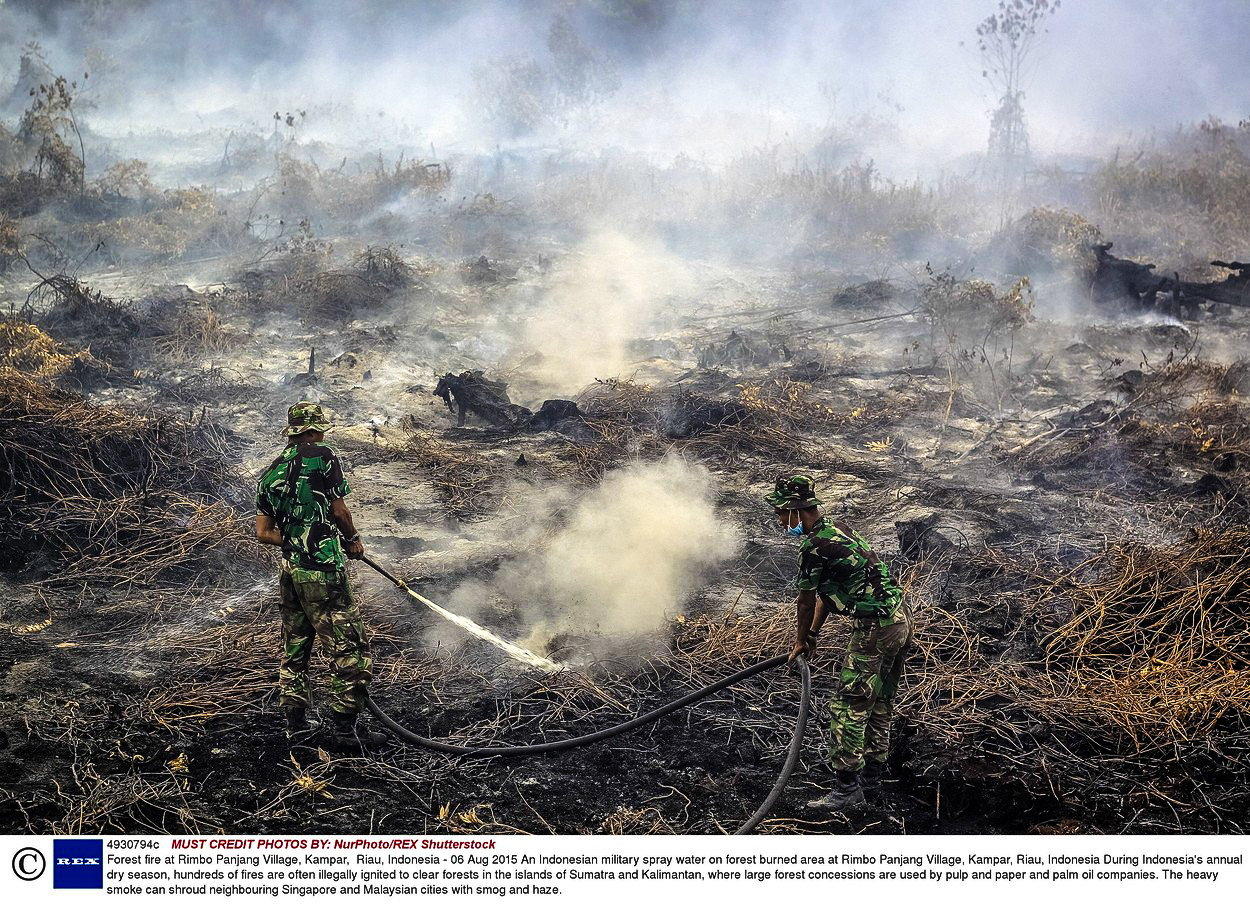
(792, 758)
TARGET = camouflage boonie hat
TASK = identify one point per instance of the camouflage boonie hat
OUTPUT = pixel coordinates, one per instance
(796, 492)
(306, 417)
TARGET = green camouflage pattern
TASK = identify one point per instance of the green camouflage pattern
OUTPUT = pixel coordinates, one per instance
(841, 567)
(296, 492)
(306, 417)
(796, 492)
(320, 604)
(860, 716)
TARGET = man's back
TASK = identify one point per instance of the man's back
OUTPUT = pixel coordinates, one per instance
(296, 490)
(836, 562)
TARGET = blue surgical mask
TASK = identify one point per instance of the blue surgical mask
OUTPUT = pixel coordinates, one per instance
(797, 530)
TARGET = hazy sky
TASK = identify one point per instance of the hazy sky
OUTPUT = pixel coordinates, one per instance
(694, 76)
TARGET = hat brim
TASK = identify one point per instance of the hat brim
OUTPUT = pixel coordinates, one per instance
(782, 505)
(796, 504)
(307, 427)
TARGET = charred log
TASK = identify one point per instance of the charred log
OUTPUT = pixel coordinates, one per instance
(1116, 279)
(473, 392)
(1235, 289)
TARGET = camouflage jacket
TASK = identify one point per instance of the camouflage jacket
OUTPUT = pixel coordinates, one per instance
(839, 565)
(296, 491)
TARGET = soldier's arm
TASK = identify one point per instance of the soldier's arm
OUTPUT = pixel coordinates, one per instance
(336, 489)
(806, 611)
(267, 530)
(342, 518)
(818, 621)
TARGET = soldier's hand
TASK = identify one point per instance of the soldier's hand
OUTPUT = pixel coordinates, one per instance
(800, 649)
(356, 549)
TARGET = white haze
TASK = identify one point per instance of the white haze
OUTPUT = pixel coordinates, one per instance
(709, 81)
(618, 560)
(614, 288)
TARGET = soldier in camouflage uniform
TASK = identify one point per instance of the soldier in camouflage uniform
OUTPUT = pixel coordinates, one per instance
(301, 507)
(838, 571)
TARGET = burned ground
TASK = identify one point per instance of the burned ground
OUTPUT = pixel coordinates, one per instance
(1061, 485)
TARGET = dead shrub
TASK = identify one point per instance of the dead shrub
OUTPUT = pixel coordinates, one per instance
(26, 348)
(972, 331)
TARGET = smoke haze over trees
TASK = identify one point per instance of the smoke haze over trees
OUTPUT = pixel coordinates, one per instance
(707, 80)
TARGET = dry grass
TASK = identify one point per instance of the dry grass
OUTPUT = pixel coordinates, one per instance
(169, 225)
(111, 495)
(196, 331)
(26, 348)
(300, 188)
(1183, 203)
(302, 279)
(1139, 696)
(176, 326)
(1053, 239)
(464, 482)
(1160, 636)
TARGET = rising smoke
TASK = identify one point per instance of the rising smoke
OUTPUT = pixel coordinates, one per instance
(635, 546)
(615, 289)
(618, 560)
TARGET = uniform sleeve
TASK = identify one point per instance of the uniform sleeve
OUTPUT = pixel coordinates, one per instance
(809, 569)
(264, 505)
(336, 486)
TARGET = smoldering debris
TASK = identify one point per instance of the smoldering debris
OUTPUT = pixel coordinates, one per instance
(874, 293)
(473, 392)
(74, 312)
(922, 539)
(124, 334)
(743, 350)
(302, 278)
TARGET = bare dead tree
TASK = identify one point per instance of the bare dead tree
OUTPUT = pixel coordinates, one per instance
(1007, 40)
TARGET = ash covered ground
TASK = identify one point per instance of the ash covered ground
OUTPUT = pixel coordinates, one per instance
(1049, 446)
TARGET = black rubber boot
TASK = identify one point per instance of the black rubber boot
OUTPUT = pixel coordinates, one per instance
(846, 792)
(299, 729)
(352, 736)
(872, 775)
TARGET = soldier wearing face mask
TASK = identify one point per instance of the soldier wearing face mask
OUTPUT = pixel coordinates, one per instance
(839, 572)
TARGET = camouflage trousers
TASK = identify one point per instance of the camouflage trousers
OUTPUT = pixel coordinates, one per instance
(861, 714)
(316, 604)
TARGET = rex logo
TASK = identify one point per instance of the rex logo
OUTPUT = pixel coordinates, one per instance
(77, 864)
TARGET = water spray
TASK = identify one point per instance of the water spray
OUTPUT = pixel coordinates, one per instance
(529, 657)
(533, 659)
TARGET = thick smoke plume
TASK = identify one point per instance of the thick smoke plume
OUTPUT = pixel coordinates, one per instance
(618, 561)
(615, 290)
(634, 548)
